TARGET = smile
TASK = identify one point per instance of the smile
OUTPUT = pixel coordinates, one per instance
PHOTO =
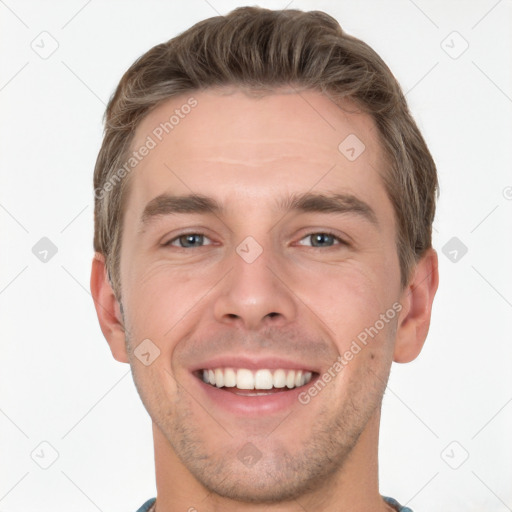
(252, 386)
(261, 379)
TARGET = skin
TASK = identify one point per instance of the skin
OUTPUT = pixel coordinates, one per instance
(295, 300)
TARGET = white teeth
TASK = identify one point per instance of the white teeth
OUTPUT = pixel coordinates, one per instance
(229, 378)
(279, 379)
(290, 380)
(263, 379)
(219, 378)
(243, 378)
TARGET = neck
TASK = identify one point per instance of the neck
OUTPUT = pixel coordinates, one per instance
(354, 487)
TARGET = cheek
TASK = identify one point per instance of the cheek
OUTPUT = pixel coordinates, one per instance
(364, 362)
(157, 295)
(348, 297)
(358, 309)
(165, 304)
(155, 386)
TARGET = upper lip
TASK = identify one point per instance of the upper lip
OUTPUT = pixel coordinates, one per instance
(254, 363)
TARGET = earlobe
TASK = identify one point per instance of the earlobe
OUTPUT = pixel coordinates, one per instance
(417, 298)
(108, 309)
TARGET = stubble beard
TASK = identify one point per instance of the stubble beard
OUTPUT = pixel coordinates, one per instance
(280, 474)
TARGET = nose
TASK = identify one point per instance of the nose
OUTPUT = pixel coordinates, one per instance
(254, 294)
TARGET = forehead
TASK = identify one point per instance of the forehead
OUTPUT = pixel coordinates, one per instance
(224, 139)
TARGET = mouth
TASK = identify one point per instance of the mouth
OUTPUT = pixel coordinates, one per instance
(252, 388)
(260, 382)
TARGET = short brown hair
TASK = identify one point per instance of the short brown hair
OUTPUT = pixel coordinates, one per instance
(261, 49)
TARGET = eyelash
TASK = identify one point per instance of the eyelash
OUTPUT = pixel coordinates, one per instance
(328, 233)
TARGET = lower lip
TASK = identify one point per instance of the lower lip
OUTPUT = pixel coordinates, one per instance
(252, 405)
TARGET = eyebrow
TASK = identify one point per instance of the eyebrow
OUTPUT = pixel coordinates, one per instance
(167, 204)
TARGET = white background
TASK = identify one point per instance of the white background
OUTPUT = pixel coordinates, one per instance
(58, 381)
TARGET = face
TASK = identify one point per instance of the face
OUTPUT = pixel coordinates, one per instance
(257, 252)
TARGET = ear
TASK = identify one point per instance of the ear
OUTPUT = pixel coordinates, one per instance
(417, 298)
(107, 309)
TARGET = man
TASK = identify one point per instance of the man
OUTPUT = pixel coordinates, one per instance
(264, 204)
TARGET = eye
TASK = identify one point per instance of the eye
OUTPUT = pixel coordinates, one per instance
(318, 240)
(187, 240)
(324, 239)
